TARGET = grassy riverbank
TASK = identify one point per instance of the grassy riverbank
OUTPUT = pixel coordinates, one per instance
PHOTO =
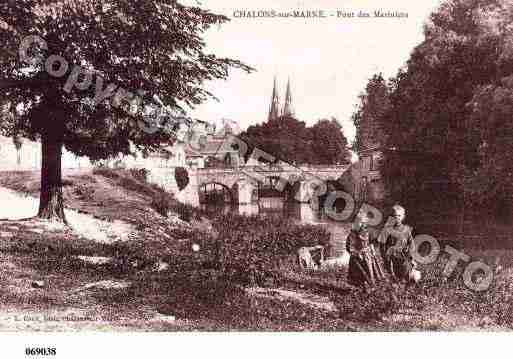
(243, 277)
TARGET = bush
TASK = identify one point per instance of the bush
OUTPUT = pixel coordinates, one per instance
(84, 192)
(184, 213)
(187, 212)
(174, 248)
(67, 182)
(181, 177)
(106, 172)
(252, 249)
(380, 300)
(162, 204)
(136, 180)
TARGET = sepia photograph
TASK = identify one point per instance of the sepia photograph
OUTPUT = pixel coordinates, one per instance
(255, 167)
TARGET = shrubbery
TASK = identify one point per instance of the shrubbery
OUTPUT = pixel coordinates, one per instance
(136, 180)
(247, 250)
(66, 182)
(162, 204)
(105, 172)
(174, 248)
(187, 212)
(181, 177)
(376, 302)
(252, 249)
(84, 192)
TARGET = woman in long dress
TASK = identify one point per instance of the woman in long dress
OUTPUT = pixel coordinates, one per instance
(396, 241)
(364, 266)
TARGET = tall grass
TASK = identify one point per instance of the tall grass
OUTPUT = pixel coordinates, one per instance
(136, 180)
(252, 250)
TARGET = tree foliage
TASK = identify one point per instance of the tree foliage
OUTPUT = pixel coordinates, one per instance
(329, 145)
(148, 47)
(181, 177)
(451, 107)
(370, 115)
(290, 140)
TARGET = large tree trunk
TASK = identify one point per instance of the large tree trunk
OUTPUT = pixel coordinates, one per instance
(51, 202)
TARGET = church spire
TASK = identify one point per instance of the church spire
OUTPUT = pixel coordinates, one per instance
(274, 111)
(288, 110)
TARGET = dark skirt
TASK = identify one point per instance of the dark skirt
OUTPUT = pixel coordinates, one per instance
(364, 269)
(398, 267)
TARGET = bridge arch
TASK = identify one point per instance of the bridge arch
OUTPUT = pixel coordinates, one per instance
(242, 182)
(269, 187)
(215, 192)
(332, 186)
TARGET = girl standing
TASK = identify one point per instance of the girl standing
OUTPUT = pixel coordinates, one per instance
(396, 241)
(364, 266)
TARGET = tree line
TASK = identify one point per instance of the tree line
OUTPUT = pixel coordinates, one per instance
(290, 140)
(445, 121)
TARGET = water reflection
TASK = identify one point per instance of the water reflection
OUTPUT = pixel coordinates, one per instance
(301, 213)
(251, 209)
(298, 212)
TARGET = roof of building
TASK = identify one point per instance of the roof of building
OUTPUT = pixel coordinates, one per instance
(212, 145)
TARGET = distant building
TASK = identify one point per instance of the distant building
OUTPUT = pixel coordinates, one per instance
(288, 108)
(28, 156)
(212, 153)
(167, 157)
(275, 110)
(209, 152)
(367, 182)
(204, 150)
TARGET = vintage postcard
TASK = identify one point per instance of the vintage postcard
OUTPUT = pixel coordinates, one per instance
(236, 166)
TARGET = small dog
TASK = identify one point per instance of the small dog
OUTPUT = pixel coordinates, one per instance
(310, 257)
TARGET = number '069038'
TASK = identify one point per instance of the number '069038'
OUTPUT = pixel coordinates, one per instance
(40, 351)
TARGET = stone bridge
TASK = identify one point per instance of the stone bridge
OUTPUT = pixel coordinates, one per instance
(243, 182)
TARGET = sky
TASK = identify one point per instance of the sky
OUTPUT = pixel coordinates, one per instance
(328, 60)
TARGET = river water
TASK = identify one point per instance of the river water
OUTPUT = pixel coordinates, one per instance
(300, 213)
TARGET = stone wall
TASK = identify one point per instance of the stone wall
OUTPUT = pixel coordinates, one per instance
(165, 178)
(364, 180)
